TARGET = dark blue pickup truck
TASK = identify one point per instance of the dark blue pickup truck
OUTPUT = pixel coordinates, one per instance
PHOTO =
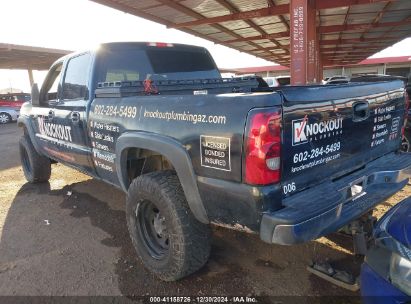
(191, 148)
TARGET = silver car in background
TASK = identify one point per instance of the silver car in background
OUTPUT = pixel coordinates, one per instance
(8, 114)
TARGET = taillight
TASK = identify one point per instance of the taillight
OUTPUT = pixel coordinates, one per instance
(263, 147)
(407, 107)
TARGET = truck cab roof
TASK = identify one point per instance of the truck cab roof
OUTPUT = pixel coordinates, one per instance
(149, 45)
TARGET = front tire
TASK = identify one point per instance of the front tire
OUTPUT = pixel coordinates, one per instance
(5, 118)
(169, 240)
(36, 167)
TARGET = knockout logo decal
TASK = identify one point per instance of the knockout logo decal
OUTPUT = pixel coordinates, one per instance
(304, 132)
(298, 131)
(54, 130)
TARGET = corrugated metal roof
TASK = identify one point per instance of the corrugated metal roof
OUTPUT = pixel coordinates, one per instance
(23, 57)
(350, 30)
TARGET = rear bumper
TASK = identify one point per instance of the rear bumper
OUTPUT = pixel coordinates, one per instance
(326, 208)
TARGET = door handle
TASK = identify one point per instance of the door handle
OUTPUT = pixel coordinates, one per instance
(361, 111)
(75, 117)
(50, 115)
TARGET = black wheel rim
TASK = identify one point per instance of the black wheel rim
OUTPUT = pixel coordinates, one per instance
(25, 161)
(152, 228)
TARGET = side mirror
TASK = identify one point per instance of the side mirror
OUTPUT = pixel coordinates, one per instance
(35, 94)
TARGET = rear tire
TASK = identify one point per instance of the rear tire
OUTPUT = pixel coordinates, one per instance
(5, 118)
(169, 240)
(36, 167)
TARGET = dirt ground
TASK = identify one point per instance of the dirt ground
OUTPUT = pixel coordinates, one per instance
(69, 237)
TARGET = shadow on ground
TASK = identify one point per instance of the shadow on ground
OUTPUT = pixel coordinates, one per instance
(8, 146)
(69, 242)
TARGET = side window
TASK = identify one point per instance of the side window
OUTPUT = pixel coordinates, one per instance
(75, 85)
(50, 89)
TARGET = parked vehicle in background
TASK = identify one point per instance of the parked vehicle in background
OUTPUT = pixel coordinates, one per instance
(8, 114)
(336, 80)
(13, 100)
(386, 273)
(191, 148)
(277, 81)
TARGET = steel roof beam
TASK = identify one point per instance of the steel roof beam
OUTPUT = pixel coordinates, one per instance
(324, 4)
(357, 40)
(280, 39)
(376, 20)
(181, 8)
(329, 29)
(354, 52)
(361, 26)
(263, 12)
(348, 57)
(348, 48)
(271, 10)
(281, 17)
(303, 43)
(250, 23)
(261, 37)
(139, 13)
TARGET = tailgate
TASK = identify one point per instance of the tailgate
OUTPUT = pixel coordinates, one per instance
(330, 131)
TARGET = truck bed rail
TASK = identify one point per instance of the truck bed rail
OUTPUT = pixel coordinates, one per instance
(181, 87)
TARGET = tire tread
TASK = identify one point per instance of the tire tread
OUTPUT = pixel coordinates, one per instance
(193, 245)
(40, 165)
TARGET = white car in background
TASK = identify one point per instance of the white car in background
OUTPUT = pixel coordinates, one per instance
(277, 81)
(8, 114)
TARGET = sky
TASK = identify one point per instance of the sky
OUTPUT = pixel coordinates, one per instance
(81, 24)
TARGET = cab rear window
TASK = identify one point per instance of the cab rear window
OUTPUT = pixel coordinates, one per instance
(133, 64)
(177, 61)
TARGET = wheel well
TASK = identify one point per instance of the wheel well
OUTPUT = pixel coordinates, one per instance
(23, 126)
(141, 161)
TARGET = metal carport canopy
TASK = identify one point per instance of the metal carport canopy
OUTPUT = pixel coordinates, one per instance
(28, 58)
(323, 32)
(14, 56)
